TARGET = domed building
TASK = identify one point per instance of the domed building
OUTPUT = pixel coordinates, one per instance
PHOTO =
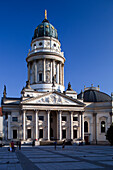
(98, 114)
(46, 112)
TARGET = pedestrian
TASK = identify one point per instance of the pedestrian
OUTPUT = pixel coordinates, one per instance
(12, 145)
(17, 143)
(55, 143)
(10, 148)
(20, 145)
(63, 145)
(33, 143)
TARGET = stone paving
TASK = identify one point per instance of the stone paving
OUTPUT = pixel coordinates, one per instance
(47, 158)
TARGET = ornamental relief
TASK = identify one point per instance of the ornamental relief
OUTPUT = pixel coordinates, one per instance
(40, 65)
(48, 76)
(53, 99)
(48, 65)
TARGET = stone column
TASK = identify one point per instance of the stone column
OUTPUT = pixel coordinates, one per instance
(24, 125)
(37, 131)
(28, 71)
(53, 67)
(95, 127)
(44, 70)
(71, 125)
(51, 71)
(48, 124)
(57, 73)
(60, 73)
(82, 125)
(63, 74)
(35, 72)
(9, 126)
(59, 125)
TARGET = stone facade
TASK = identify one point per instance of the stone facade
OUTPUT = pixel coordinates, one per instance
(46, 112)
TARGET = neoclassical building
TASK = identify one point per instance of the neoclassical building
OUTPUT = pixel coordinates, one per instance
(46, 111)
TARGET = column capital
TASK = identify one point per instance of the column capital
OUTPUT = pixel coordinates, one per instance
(94, 114)
(48, 111)
(24, 110)
(71, 112)
(36, 111)
(81, 112)
(110, 113)
(59, 111)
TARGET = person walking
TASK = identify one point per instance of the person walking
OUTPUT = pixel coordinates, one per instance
(20, 145)
(55, 143)
(10, 148)
(12, 145)
(63, 145)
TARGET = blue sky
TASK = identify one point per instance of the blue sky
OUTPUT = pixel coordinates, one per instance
(85, 29)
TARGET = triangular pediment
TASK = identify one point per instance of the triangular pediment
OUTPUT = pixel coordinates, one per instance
(53, 98)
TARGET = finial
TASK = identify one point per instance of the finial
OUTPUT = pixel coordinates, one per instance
(45, 14)
(4, 92)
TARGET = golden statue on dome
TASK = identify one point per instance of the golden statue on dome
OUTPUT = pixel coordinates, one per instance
(45, 14)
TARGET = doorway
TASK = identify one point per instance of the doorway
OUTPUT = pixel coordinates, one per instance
(86, 138)
(14, 134)
(53, 125)
(28, 133)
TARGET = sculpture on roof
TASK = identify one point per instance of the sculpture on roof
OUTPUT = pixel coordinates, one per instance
(69, 86)
(4, 92)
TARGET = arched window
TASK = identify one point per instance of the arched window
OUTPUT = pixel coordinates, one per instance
(103, 127)
(85, 126)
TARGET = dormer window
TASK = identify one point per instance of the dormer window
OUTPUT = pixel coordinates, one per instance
(34, 46)
(40, 44)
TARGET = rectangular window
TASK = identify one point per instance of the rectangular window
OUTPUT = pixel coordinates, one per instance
(63, 134)
(74, 134)
(63, 118)
(41, 118)
(40, 76)
(75, 118)
(15, 119)
(28, 133)
(40, 133)
(14, 134)
(29, 118)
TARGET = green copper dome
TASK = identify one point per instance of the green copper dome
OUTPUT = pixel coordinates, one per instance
(45, 29)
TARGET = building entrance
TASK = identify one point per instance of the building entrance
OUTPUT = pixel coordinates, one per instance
(86, 138)
(53, 125)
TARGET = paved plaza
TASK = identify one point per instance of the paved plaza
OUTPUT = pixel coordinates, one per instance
(46, 157)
